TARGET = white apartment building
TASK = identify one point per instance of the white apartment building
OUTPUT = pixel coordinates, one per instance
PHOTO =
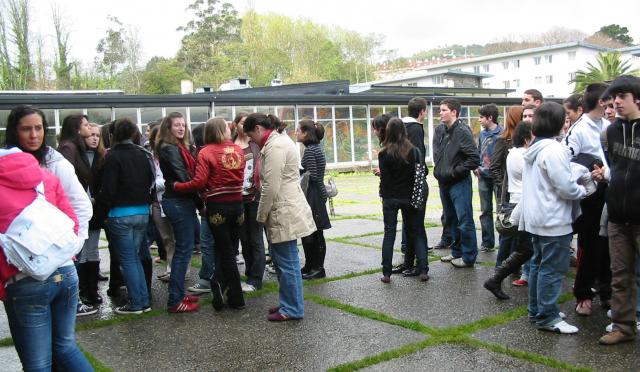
(548, 69)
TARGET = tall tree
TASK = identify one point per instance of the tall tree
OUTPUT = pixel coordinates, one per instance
(18, 11)
(6, 69)
(111, 50)
(609, 67)
(62, 65)
(132, 73)
(618, 33)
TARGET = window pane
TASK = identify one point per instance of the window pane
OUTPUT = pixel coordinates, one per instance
(375, 111)
(99, 115)
(343, 140)
(305, 112)
(327, 141)
(150, 114)
(50, 116)
(290, 129)
(224, 112)
(267, 110)
(392, 110)
(3, 135)
(324, 112)
(404, 111)
(286, 113)
(129, 113)
(342, 113)
(4, 115)
(66, 112)
(359, 112)
(360, 140)
(247, 109)
(199, 114)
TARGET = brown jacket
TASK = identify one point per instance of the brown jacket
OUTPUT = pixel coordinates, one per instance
(283, 207)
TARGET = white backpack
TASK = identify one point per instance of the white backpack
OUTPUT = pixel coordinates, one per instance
(40, 239)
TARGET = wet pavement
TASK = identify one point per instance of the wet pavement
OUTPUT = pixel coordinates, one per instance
(352, 320)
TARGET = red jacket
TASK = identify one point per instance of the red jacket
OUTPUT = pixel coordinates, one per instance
(219, 172)
(19, 175)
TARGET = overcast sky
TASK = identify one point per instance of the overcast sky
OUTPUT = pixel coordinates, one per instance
(407, 25)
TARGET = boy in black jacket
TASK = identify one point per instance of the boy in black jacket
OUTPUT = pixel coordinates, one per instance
(457, 158)
(623, 197)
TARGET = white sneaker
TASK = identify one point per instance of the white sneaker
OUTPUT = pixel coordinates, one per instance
(199, 288)
(560, 327)
(246, 287)
(448, 258)
(240, 259)
(562, 315)
(610, 327)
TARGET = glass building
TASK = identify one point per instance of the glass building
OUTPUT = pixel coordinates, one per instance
(349, 141)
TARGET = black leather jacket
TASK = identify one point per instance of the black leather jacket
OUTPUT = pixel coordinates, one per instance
(174, 170)
(458, 154)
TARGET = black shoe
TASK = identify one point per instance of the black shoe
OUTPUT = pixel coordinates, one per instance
(305, 270)
(496, 290)
(315, 274)
(411, 272)
(218, 299)
(399, 269)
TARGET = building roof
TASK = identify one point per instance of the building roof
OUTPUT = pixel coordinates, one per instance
(437, 69)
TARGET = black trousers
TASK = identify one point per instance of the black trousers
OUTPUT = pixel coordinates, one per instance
(252, 244)
(224, 220)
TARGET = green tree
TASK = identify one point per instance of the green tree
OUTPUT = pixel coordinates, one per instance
(618, 33)
(162, 76)
(111, 50)
(210, 39)
(609, 67)
(62, 66)
(15, 36)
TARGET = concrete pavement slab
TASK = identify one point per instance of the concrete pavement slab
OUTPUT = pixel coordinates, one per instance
(581, 349)
(451, 297)
(457, 358)
(243, 340)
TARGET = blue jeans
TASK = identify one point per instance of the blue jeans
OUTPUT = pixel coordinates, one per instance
(486, 192)
(127, 235)
(207, 249)
(505, 247)
(287, 263)
(253, 245)
(411, 219)
(42, 320)
(182, 215)
(456, 202)
(549, 265)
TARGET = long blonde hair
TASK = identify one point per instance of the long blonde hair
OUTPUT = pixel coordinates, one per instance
(165, 135)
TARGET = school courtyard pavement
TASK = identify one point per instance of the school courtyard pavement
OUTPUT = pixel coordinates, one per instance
(352, 320)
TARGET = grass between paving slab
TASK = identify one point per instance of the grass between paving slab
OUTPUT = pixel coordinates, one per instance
(455, 335)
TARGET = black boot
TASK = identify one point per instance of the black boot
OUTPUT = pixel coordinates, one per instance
(83, 283)
(307, 246)
(147, 266)
(92, 271)
(115, 281)
(495, 286)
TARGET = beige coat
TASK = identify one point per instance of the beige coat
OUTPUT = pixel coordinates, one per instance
(283, 208)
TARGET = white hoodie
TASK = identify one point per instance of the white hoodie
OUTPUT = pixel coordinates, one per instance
(55, 163)
(584, 137)
(548, 190)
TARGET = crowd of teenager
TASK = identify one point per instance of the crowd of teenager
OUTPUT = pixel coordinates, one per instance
(558, 170)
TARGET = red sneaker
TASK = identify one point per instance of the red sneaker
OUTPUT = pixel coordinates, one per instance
(183, 307)
(191, 298)
(519, 283)
(274, 309)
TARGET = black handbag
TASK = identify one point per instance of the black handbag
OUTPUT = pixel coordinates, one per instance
(419, 194)
(503, 223)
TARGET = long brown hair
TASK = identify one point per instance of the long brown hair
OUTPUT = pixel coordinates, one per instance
(513, 117)
(396, 143)
(165, 135)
